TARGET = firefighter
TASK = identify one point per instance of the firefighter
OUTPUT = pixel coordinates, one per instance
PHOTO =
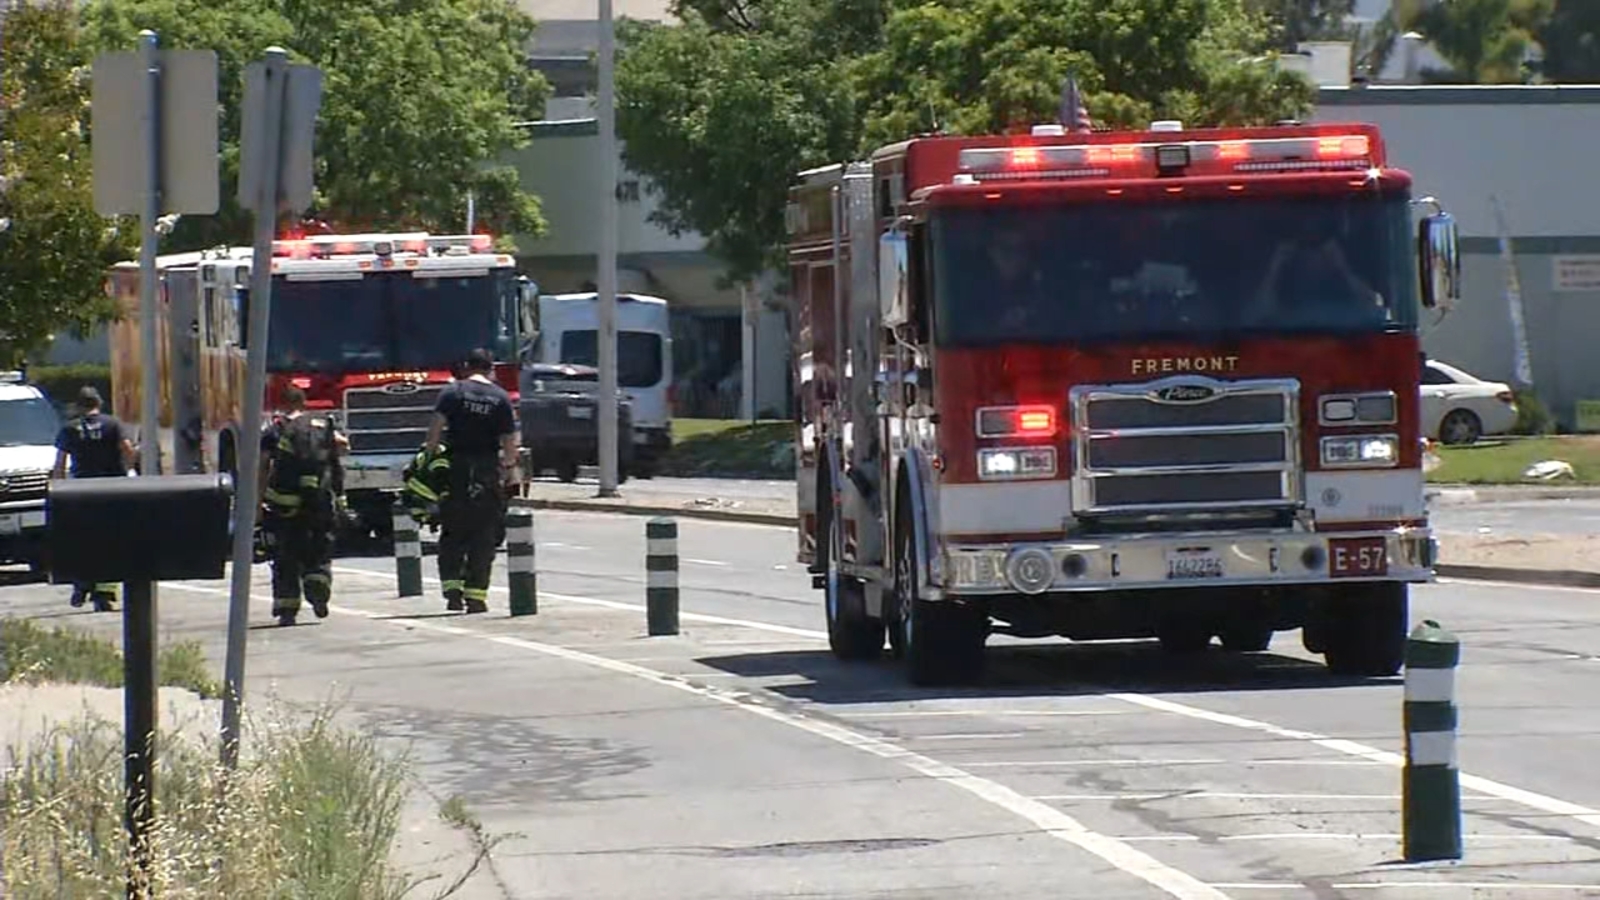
(427, 483)
(302, 480)
(474, 416)
(99, 449)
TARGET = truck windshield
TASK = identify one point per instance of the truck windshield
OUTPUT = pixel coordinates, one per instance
(27, 423)
(1192, 268)
(638, 355)
(384, 321)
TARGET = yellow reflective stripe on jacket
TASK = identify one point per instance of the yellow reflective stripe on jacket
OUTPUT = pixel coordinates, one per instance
(421, 489)
(311, 481)
(278, 498)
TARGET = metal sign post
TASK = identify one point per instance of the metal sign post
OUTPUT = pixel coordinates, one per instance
(154, 116)
(278, 123)
(606, 262)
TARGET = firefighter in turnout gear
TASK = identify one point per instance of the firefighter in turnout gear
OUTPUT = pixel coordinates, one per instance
(427, 483)
(475, 417)
(97, 447)
(302, 481)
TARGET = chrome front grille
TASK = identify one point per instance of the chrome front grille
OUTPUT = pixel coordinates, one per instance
(1187, 443)
(18, 486)
(393, 418)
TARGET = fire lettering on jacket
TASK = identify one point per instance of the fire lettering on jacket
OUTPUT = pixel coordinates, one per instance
(1172, 364)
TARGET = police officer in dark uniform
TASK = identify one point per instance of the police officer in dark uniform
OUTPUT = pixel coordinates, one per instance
(302, 480)
(98, 449)
(474, 416)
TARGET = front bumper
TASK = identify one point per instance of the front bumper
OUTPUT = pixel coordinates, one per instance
(1188, 560)
(375, 471)
(22, 530)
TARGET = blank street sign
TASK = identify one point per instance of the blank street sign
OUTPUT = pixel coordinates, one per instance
(302, 99)
(189, 177)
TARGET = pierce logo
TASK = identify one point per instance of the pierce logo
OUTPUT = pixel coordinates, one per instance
(1183, 393)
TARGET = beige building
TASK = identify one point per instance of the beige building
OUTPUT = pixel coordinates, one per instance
(559, 165)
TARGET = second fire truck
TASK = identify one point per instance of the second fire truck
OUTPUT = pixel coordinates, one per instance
(367, 325)
(1115, 385)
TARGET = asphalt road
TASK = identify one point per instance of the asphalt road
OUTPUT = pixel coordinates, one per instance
(738, 760)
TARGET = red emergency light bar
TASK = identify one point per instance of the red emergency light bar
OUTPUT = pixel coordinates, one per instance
(1148, 158)
(418, 242)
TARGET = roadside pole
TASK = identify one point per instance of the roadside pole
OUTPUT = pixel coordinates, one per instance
(154, 114)
(606, 261)
(278, 121)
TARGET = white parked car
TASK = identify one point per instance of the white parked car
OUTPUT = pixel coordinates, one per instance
(1458, 408)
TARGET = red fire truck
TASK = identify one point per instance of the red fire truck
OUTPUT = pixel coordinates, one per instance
(368, 325)
(1115, 385)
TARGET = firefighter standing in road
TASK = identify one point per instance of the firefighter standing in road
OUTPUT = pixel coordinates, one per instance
(474, 415)
(302, 479)
(98, 449)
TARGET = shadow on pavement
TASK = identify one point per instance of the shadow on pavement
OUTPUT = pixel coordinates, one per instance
(1041, 671)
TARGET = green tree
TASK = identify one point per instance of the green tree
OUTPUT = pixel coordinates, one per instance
(720, 112)
(1571, 40)
(1485, 41)
(55, 249)
(1305, 20)
(420, 100)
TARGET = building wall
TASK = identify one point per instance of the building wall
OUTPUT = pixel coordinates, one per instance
(1529, 150)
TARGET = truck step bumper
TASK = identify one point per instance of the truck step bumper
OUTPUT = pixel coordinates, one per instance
(1192, 560)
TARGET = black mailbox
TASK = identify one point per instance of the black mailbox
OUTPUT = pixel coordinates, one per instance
(148, 528)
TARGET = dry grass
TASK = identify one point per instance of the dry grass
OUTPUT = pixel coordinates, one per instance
(32, 653)
(311, 812)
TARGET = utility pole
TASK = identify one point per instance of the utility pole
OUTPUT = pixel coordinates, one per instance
(606, 260)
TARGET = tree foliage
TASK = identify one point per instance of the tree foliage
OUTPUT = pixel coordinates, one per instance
(1571, 40)
(721, 112)
(1305, 20)
(419, 101)
(1485, 41)
(55, 248)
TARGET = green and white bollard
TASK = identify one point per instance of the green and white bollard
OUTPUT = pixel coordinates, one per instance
(407, 552)
(1430, 784)
(661, 576)
(520, 570)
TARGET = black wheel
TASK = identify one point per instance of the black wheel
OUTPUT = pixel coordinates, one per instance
(1460, 426)
(1365, 634)
(1185, 638)
(1246, 638)
(942, 642)
(567, 471)
(852, 634)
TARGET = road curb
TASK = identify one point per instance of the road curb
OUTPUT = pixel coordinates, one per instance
(1552, 577)
(635, 509)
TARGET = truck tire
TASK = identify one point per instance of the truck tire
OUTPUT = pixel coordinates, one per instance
(942, 642)
(1245, 637)
(852, 634)
(1366, 630)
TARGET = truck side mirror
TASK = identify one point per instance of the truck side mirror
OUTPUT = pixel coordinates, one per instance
(88, 539)
(1439, 259)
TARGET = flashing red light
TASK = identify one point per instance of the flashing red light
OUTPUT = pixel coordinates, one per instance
(1036, 421)
(1025, 156)
(1344, 146)
(1112, 154)
(1233, 150)
(482, 243)
(301, 382)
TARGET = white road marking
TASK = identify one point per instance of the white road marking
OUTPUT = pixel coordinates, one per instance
(1334, 836)
(617, 604)
(705, 562)
(1521, 586)
(1186, 794)
(932, 713)
(1046, 818)
(1526, 798)
(1052, 763)
(1406, 886)
(965, 736)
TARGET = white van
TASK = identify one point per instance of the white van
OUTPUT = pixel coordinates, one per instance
(568, 329)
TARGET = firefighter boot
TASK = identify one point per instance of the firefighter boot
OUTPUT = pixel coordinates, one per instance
(319, 590)
(477, 600)
(104, 596)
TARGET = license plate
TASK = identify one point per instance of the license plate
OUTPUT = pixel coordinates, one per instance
(580, 412)
(10, 524)
(1187, 565)
(1362, 557)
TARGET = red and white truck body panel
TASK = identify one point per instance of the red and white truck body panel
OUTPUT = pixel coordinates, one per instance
(1079, 372)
